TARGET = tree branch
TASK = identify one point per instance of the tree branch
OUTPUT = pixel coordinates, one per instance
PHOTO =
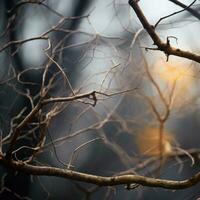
(162, 46)
(98, 180)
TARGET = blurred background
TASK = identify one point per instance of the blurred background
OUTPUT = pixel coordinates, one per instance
(100, 45)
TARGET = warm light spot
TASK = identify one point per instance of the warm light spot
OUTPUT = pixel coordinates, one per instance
(176, 79)
(148, 142)
(173, 72)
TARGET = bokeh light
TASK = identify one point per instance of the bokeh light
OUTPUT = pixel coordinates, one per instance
(148, 142)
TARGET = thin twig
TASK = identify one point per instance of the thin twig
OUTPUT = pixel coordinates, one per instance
(175, 13)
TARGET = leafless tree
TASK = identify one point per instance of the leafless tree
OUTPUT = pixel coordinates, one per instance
(96, 107)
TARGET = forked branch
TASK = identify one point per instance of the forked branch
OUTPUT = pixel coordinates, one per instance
(162, 46)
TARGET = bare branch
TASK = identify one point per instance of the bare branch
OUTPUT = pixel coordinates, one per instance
(162, 46)
(100, 180)
(20, 42)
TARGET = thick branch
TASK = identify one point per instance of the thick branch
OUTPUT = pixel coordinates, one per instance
(99, 180)
(162, 46)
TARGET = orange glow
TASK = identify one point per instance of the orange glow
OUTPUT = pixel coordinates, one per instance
(177, 75)
(173, 72)
(148, 142)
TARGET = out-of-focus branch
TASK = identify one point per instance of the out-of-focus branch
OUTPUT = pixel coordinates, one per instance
(162, 46)
(43, 36)
(174, 13)
(75, 152)
(189, 9)
(18, 5)
(20, 42)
